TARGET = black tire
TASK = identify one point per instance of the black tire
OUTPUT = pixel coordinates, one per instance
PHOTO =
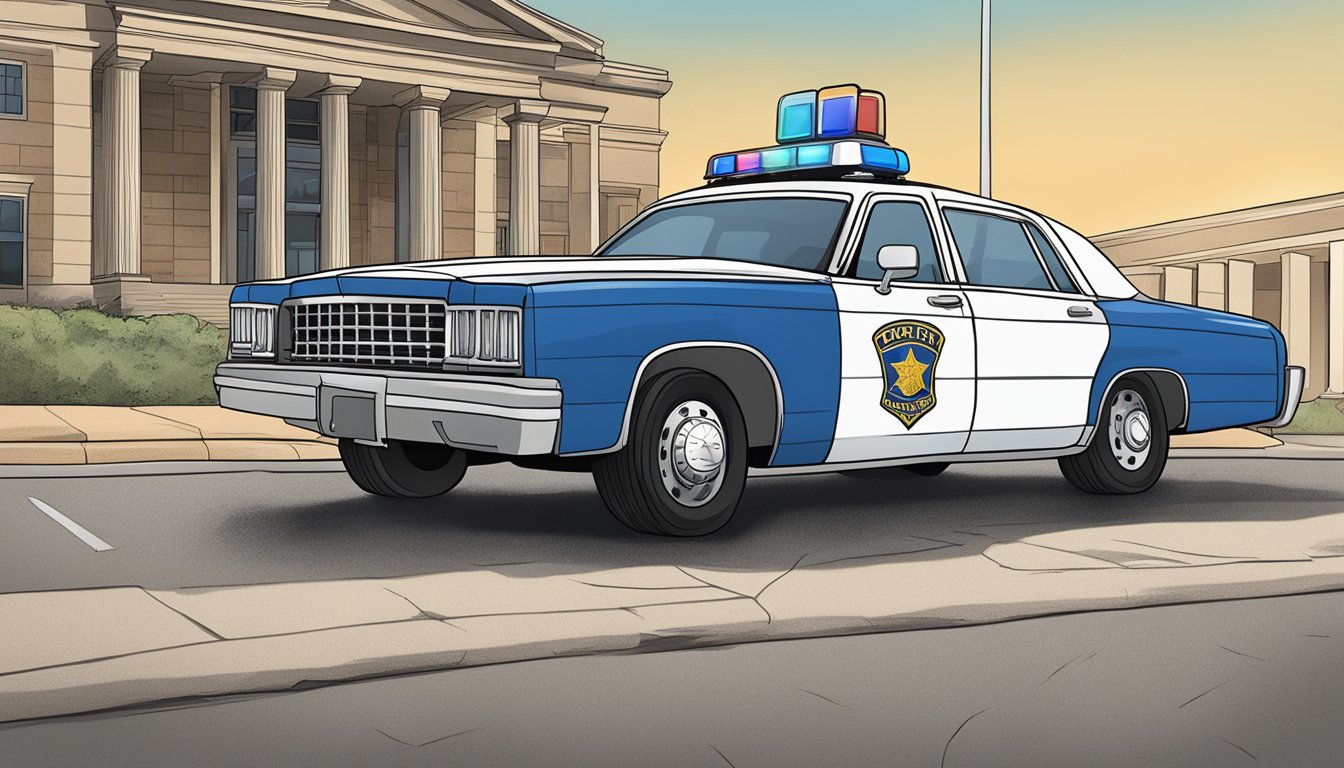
(931, 469)
(1112, 465)
(632, 481)
(404, 470)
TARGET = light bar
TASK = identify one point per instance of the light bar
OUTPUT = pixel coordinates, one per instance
(859, 155)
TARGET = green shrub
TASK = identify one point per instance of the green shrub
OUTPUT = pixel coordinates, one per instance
(85, 357)
(1316, 417)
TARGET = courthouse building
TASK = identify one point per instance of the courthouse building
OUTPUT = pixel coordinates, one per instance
(153, 152)
(1283, 263)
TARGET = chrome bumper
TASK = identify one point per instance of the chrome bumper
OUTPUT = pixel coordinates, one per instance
(1294, 378)
(516, 416)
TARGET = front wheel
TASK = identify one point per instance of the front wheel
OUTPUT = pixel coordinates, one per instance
(1129, 446)
(684, 466)
(404, 470)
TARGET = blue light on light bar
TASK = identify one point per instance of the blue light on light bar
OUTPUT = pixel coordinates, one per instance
(723, 165)
(813, 155)
(885, 157)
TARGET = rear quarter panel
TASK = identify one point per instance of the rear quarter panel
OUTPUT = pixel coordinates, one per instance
(592, 336)
(1232, 365)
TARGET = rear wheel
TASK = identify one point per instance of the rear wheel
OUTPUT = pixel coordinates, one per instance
(1129, 446)
(931, 469)
(403, 469)
(684, 466)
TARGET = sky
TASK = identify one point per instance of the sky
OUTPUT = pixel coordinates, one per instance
(1107, 115)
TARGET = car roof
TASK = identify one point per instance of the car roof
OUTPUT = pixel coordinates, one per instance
(856, 188)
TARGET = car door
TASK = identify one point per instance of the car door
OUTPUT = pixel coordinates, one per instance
(907, 356)
(1039, 339)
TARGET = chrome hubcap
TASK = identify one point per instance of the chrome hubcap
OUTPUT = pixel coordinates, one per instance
(1129, 430)
(691, 453)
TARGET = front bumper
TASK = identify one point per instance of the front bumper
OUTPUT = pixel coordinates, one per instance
(1294, 378)
(516, 416)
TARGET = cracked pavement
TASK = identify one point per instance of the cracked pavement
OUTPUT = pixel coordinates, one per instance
(1214, 685)
(247, 582)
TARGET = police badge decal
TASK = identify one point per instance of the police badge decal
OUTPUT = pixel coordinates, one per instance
(908, 351)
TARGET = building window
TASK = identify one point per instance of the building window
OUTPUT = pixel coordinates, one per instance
(11, 241)
(303, 180)
(11, 89)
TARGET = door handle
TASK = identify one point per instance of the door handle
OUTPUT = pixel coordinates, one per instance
(1080, 312)
(947, 302)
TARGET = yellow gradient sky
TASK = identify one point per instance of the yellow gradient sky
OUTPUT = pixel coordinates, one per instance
(1107, 115)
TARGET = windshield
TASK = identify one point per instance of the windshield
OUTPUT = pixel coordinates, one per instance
(783, 232)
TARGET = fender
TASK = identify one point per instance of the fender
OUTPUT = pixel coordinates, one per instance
(648, 366)
(1172, 422)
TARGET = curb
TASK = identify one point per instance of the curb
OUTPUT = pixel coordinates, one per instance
(89, 650)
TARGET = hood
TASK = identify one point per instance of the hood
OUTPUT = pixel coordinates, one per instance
(434, 279)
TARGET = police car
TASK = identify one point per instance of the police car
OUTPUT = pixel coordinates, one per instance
(807, 310)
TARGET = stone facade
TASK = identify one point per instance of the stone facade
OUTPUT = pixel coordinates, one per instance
(1282, 263)
(455, 130)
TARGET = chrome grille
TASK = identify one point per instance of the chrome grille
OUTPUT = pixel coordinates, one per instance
(392, 333)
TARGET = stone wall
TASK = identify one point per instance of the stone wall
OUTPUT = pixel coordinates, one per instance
(26, 153)
(175, 185)
(459, 188)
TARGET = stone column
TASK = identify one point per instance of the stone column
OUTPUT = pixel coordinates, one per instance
(1212, 285)
(119, 209)
(1178, 285)
(525, 176)
(1241, 287)
(422, 107)
(272, 86)
(1296, 302)
(335, 242)
(1334, 353)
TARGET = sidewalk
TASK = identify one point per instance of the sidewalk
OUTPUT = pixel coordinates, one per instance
(89, 434)
(65, 652)
(86, 434)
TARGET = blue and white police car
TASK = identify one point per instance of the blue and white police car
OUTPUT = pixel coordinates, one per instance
(808, 310)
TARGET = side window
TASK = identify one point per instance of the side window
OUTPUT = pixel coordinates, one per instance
(1057, 271)
(898, 223)
(995, 251)
(11, 241)
(11, 89)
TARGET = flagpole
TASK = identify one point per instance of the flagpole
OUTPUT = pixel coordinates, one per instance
(984, 99)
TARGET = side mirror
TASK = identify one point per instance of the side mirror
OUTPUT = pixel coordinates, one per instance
(898, 262)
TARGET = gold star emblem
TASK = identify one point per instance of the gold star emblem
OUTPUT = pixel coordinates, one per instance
(910, 374)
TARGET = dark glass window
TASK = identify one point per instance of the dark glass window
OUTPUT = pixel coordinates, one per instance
(995, 251)
(11, 241)
(1057, 271)
(899, 223)
(303, 182)
(784, 232)
(11, 89)
(303, 120)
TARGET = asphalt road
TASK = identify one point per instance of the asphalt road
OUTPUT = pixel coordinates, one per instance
(217, 528)
(1257, 682)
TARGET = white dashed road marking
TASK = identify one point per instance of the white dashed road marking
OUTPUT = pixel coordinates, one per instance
(96, 543)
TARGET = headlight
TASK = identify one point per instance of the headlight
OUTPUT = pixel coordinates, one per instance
(485, 335)
(251, 330)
